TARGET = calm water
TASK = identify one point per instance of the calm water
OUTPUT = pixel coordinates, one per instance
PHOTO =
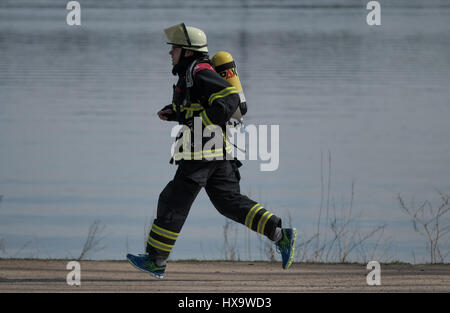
(80, 141)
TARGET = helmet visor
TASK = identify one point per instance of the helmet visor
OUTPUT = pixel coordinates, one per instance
(178, 35)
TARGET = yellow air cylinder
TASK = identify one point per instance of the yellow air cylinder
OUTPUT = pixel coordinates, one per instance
(225, 66)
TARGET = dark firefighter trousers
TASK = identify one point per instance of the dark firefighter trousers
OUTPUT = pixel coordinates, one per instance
(220, 178)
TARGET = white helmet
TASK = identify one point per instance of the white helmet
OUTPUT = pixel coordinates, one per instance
(189, 38)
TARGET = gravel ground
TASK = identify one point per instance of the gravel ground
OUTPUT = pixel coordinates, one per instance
(219, 277)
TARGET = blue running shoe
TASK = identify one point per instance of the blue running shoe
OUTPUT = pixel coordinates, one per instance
(286, 246)
(144, 263)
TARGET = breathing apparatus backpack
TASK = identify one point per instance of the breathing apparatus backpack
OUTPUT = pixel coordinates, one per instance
(225, 66)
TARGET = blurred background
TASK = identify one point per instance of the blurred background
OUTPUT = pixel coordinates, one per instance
(363, 114)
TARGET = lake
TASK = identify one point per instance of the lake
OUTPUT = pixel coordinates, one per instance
(357, 105)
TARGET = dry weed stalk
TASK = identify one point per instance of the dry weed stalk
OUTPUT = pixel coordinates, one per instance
(93, 240)
(427, 221)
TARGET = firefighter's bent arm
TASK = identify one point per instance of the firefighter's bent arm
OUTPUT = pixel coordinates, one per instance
(221, 97)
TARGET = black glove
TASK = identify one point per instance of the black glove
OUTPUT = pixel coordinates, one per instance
(167, 113)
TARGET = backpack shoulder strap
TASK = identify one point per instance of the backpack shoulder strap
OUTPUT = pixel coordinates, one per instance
(200, 67)
(193, 69)
(189, 76)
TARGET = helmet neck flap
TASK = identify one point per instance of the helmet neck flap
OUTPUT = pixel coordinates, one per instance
(184, 62)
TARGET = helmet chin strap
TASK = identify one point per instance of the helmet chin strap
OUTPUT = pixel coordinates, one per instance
(183, 62)
(177, 66)
(182, 57)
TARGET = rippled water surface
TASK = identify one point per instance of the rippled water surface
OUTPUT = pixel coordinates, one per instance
(80, 141)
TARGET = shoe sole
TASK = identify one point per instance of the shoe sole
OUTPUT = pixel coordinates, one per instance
(145, 271)
(291, 257)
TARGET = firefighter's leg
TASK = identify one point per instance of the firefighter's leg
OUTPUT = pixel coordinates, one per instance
(224, 192)
(174, 204)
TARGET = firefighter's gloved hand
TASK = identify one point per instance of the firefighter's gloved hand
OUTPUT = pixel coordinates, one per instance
(167, 114)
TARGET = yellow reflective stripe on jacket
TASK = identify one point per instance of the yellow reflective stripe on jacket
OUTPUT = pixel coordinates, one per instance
(211, 127)
(159, 245)
(205, 119)
(227, 143)
(164, 232)
(202, 152)
(215, 154)
(174, 107)
(186, 156)
(195, 107)
(228, 148)
(223, 93)
(220, 152)
(195, 155)
(190, 155)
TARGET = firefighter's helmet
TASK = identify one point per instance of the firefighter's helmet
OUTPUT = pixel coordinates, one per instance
(187, 37)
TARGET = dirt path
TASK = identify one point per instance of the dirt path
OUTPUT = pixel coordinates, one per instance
(119, 276)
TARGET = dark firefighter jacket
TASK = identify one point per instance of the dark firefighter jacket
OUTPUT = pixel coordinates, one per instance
(212, 99)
